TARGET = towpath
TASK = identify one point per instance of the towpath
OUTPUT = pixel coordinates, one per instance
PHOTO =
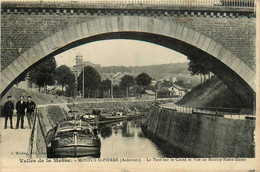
(14, 143)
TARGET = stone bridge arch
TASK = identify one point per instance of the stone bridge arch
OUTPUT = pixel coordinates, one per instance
(228, 67)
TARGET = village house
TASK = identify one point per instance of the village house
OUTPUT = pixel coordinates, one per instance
(148, 94)
(176, 90)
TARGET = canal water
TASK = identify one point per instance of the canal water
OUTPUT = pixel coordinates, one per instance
(126, 139)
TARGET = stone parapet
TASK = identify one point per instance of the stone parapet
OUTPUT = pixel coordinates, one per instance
(126, 9)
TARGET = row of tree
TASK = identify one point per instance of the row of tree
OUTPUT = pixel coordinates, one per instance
(95, 87)
(47, 73)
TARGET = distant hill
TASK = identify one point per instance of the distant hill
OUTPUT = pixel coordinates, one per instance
(172, 68)
(158, 72)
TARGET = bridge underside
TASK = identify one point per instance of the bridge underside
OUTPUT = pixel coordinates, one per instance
(225, 65)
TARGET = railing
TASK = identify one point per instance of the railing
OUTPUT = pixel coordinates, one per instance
(36, 121)
(32, 134)
(233, 3)
(212, 111)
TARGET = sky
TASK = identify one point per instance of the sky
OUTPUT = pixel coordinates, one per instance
(121, 53)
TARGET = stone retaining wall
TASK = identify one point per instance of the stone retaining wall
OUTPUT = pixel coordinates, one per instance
(201, 135)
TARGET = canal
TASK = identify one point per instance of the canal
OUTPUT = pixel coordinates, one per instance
(126, 139)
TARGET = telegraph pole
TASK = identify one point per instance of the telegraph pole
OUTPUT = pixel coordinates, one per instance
(111, 79)
(112, 89)
(83, 79)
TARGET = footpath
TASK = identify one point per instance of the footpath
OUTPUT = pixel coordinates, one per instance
(14, 143)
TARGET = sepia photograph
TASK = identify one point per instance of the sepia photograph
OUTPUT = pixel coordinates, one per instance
(129, 85)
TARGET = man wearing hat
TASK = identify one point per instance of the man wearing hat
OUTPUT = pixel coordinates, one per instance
(20, 108)
(30, 107)
(8, 111)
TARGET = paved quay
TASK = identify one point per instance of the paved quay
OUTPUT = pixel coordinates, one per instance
(14, 143)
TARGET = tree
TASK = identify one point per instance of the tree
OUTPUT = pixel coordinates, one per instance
(92, 81)
(199, 66)
(180, 83)
(105, 87)
(64, 76)
(70, 87)
(44, 73)
(126, 82)
(143, 79)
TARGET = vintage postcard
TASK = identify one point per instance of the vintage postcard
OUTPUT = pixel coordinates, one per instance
(142, 85)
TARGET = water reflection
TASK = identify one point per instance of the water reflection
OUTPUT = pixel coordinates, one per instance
(126, 139)
(105, 131)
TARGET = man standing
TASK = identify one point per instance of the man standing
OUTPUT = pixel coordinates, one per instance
(30, 110)
(20, 108)
(8, 112)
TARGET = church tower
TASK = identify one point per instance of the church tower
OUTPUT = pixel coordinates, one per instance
(79, 59)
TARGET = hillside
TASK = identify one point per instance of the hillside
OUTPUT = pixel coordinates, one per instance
(38, 98)
(213, 93)
(172, 68)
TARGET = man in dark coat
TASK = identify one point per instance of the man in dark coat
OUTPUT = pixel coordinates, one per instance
(8, 112)
(30, 107)
(20, 108)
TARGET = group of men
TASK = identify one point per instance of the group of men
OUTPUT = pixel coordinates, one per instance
(20, 107)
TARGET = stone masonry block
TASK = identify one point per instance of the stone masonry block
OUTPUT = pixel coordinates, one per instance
(201, 41)
(228, 59)
(62, 38)
(190, 36)
(236, 65)
(24, 62)
(206, 44)
(252, 80)
(44, 47)
(242, 68)
(142, 23)
(108, 24)
(39, 52)
(150, 24)
(184, 34)
(102, 23)
(10, 73)
(156, 25)
(72, 34)
(79, 31)
(4, 80)
(178, 32)
(84, 29)
(134, 23)
(216, 50)
(50, 44)
(15, 69)
(161, 27)
(30, 55)
(221, 53)
(211, 47)
(96, 26)
(114, 23)
(124, 21)
(246, 73)
(56, 41)
(166, 28)
(195, 38)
